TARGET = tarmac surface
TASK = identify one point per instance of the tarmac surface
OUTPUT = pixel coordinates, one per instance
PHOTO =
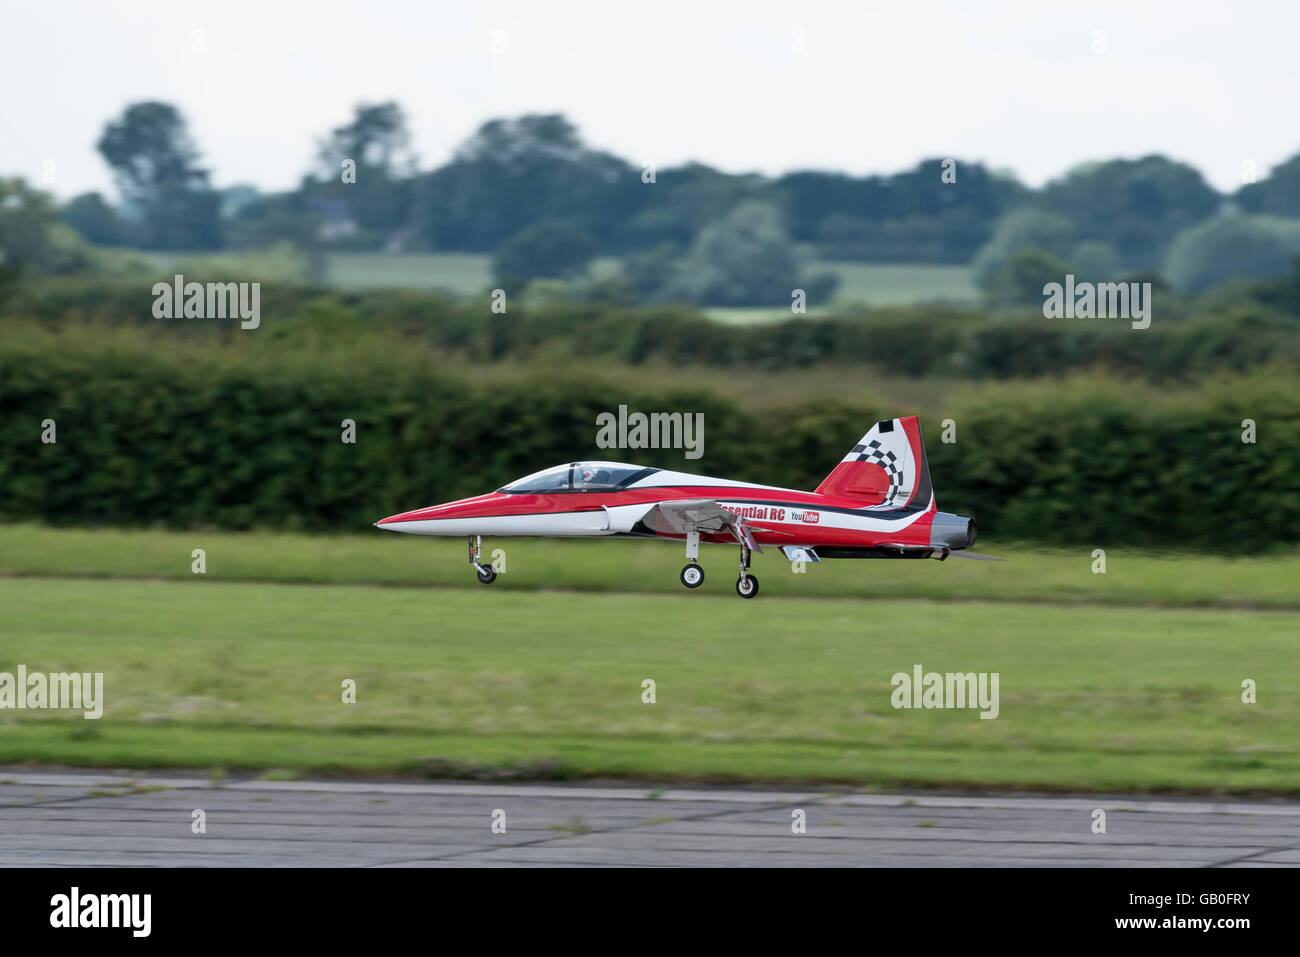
(83, 819)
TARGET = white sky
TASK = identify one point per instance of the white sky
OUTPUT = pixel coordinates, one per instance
(880, 85)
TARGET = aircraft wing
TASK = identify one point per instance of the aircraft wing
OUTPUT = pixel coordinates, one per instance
(706, 516)
(677, 517)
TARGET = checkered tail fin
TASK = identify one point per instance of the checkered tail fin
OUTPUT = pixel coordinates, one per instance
(885, 469)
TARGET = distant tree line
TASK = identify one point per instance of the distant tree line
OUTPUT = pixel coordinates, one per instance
(1235, 327)
(529, 191)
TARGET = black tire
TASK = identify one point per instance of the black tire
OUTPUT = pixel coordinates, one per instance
(751, 582)
(692, 576)
(487, 574)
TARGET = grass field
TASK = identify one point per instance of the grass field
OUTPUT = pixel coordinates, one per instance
(377, 557)
(461, 273)
(878, 284)
(464, 274)
(900, 284)
(467, 274)
(502, 682)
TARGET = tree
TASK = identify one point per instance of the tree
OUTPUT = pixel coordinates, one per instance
(1019, 230)
(910, 216)
(1020, 280)
(685, 199)
(1095, 261)
(239, 197)
(31, 237)
(289, 217)
(744, 259)
(1279, 194)
(1283, 293)
(26, 215)
(97, 221)
(378, 189)
(156, 168)
(1137, 206)
(1232, 246)
(549, 249)
(651, 270)
(513, 173)
(376, 139)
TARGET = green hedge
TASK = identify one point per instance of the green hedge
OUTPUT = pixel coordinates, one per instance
(158, 434)
(913, 341)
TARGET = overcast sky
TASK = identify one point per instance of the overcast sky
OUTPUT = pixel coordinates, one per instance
(862, 87)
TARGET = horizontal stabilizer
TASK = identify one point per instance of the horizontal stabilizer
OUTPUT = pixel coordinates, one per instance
(962, 553)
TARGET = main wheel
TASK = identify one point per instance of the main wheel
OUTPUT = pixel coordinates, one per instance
(747, 587)
(692, 576)
(487, 574)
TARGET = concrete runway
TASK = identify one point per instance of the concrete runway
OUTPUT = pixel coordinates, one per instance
(89, 819)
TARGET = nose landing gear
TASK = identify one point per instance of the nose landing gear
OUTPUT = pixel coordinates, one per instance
(746, 584)
(486, 573)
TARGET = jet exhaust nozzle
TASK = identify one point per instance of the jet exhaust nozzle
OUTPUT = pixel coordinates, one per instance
(952, 531)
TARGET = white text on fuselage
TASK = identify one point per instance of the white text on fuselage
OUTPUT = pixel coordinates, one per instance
(771, 513)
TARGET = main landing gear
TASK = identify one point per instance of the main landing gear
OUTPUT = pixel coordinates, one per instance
(693, 575)
(486, 573)
(746, 584)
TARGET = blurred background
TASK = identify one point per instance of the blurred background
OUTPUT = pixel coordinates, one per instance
(650, 189)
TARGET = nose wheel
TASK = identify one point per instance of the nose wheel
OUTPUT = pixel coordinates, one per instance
(692, 576)
(486, 573)
(746, 584)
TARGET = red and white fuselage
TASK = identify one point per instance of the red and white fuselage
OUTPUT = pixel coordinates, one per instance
(878, 502)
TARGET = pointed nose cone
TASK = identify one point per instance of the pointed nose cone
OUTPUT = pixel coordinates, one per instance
(393, 521)
(422, 520)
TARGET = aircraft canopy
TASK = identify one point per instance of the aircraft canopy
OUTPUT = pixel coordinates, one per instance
(580, 477)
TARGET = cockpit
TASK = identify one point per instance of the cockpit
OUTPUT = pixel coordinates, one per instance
(580, 477)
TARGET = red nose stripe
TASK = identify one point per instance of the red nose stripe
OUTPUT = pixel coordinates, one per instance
(465, 508)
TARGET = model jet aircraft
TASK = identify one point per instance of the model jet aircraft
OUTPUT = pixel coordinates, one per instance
(877, 503)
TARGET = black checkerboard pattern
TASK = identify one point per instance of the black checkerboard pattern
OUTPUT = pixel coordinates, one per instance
(872, 452)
